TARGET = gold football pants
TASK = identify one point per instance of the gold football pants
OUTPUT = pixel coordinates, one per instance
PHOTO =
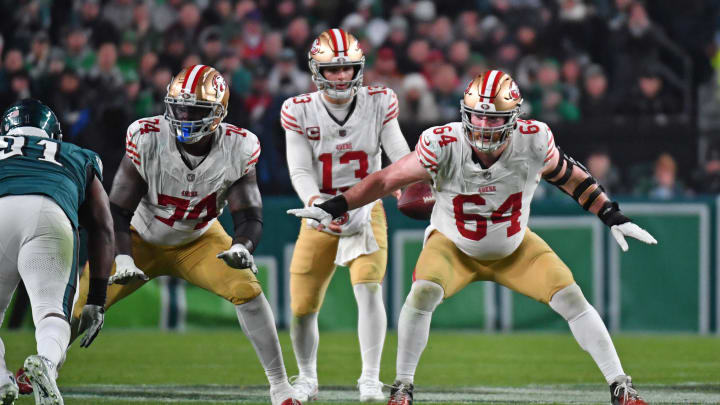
(194, 262)
(313, 264)
(533, 269)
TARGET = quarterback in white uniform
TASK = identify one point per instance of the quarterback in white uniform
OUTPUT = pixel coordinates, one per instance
(484, 171)
(334, 138)
(180, 171)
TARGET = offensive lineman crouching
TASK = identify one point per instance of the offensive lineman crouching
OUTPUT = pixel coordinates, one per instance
(179, 172)
(484, 171)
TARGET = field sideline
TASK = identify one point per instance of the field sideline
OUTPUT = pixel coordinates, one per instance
(220, 367)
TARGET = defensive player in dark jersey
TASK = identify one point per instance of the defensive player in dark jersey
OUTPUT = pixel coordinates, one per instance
(48, 189)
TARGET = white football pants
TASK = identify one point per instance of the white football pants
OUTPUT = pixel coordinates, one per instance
(37, 245)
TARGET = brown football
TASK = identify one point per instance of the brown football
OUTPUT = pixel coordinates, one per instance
(417, 201)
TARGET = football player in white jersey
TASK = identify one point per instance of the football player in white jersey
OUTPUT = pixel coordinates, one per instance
(334, 138)
(484, 171)
(180, 171)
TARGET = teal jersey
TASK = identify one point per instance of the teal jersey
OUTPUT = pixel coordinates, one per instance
(59, 170)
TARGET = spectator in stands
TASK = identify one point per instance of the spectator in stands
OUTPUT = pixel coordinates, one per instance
(664, 184)
(418, 52)
(148, 62)
(188, 26)
(385, 68)
(211, 45)
(418, 108)
(547, 99)
(706, 178)
(127, 60)
(71, 104)
(19, 88)
(78, 53)
(447, 94)
(601, 167)
(106, 78)
(298, 37)
(12, 64)
(119, 13)
(147, 38)
(37, 61)
(459, 55)
(571, 79)
(649, 96)
(397, 40)
(285, 79)
(634, 44)
(100, 29)
(596, 102)
(173, 52)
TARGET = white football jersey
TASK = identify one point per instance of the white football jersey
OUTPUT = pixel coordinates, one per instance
(484, 211)
(344, 152)
(182, 203)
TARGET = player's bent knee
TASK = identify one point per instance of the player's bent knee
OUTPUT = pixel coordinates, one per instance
(570, 302)
(302, 307)
(425, 295)
(244, 292)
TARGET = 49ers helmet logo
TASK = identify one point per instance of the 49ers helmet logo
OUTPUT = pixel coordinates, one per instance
(514, 91)
(315, 47)
(219, 84)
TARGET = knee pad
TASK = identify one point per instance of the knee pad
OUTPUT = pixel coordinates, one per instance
(425, 295)
(570, 302)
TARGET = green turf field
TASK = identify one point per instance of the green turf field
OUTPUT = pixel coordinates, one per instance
(220, 367)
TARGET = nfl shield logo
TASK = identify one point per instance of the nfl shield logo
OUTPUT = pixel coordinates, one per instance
(342, 133)
(191, 177)
(487, 175)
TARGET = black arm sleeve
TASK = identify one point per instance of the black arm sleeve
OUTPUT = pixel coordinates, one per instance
(248, 227)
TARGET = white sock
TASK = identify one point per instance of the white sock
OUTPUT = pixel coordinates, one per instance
(589, 330)
(414, 326)
(258, 323)
(52, 335)
(3, 366)
(305, 340)
(372, 325)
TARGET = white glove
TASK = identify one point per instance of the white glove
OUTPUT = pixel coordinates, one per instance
(619, 232)
(238, 257)
(126, 271)
(313, 213)
(92, 319)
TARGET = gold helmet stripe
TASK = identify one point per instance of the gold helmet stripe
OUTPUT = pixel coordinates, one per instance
(340, 41)
(192, 78)
(492, 77)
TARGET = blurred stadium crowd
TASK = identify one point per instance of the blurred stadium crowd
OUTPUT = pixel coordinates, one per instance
(100, 64)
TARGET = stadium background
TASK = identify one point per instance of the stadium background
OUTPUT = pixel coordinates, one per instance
(629, 87)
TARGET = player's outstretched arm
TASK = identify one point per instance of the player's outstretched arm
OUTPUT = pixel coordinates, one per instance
(245, 205)
(96, 218)
(405, 171)
(575, 180)
(127, 190)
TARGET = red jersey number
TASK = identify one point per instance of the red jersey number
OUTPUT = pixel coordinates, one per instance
(327, 165)
(182, 205)
(513, 204)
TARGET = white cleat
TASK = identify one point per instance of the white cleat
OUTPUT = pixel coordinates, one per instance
(370, 390)
(9, 391)
(284, 395)
(41, 373)
(306, 388)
